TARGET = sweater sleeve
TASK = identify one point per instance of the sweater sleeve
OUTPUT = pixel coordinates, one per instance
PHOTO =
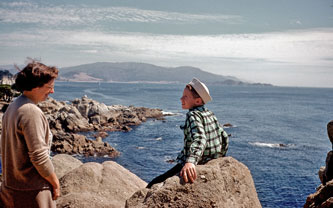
(198, 139)
(34, 127)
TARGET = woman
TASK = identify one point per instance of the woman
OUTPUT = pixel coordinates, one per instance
(29, 179)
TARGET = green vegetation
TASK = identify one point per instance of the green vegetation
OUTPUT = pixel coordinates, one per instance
(7, 93)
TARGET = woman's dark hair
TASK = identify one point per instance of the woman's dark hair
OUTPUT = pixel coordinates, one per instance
(35, 74)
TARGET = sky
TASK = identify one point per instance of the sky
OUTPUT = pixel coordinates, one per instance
(284, 43)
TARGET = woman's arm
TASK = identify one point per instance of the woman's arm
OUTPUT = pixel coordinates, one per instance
(53, 180)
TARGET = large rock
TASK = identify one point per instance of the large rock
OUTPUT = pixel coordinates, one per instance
(222, 183)
(80, 144)
(64, 163)
(323, 198)
(326, 173)
(96, 185)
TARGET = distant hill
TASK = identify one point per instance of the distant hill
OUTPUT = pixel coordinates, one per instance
(141, 72)
(138, 72)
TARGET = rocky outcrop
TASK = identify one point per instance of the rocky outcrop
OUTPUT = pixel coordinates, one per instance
(89, 115)
(79, 144)
(323, 198)
(324, 195)
(67, 119)
(221, 183)
(93, 184)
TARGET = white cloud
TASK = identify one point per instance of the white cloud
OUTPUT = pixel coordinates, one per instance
(307, 47)
(89, 51)
(19, 12)
(297, 47)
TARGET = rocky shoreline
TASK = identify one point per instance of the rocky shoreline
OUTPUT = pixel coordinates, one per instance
(68, 119)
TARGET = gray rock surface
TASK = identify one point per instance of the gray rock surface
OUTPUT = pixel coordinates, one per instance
(64, 163)
(93, 184)
(221, 183)
(322, 198)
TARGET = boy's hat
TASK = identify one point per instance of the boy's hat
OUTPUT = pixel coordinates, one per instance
(201, 89)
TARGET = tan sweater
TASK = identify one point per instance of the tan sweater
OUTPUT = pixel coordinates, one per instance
(25, 146)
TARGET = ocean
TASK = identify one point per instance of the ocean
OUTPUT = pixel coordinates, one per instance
(279, 133)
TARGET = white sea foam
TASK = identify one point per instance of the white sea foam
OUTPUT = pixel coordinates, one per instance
(158, 139)
(166, 113)
(270, 145)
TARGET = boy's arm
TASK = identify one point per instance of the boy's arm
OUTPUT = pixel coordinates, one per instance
(198, 140)
(195, 146)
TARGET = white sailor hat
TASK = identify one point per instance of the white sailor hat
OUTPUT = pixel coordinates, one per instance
(201, 89)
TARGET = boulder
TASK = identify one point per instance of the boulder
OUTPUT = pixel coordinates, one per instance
(221, 183)
(96, 185)
(79, 144)
(326, 173)
(321, 174)
(64, 163)
(322, 198)
(97, 113)
(71, 120)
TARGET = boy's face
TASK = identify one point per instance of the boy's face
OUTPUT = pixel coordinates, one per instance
(188, 101)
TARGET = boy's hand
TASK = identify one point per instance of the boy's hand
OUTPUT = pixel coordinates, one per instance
(188, 172)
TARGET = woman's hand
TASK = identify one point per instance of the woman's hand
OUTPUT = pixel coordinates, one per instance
(56, 192)
(53, 180)
(188, 172)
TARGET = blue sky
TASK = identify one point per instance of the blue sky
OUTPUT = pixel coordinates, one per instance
(285, 42)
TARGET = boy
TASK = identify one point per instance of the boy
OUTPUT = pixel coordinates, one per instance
(204, 138)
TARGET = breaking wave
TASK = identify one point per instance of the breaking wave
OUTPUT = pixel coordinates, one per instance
(271, 145)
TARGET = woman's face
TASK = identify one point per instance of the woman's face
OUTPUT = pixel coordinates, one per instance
(41, 93)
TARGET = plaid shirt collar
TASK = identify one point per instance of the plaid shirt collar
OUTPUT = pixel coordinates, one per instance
(196, 108)
(199, 108)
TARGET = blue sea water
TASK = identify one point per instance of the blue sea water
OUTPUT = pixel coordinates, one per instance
(262, 119)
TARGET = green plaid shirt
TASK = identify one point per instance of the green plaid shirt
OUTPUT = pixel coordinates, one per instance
(204, 138)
